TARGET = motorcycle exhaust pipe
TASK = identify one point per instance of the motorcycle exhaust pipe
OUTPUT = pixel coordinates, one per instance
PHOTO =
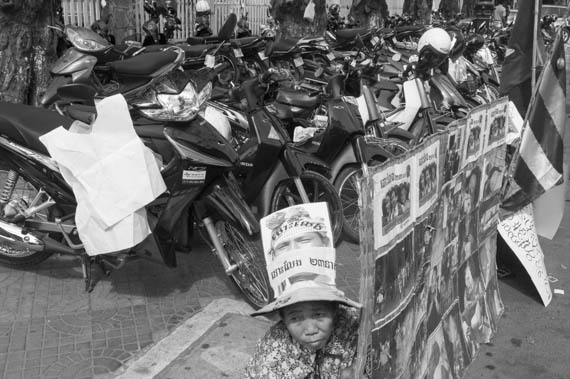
(14, 236)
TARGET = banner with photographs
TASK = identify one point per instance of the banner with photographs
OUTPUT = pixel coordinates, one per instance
(429, 283)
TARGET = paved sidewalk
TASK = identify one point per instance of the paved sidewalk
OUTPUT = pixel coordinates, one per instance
(51, 328)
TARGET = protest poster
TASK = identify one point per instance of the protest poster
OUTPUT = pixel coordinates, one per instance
(454, 149)
(474, 131)
(445, 299)
(393, 199)
(496, 124)
(519, 232)
(426, 179)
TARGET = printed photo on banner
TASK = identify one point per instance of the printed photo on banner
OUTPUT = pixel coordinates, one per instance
(453, 152)
(424, 233)
(473, 146)
(393, 198)
(455, 343)
(396, 276)
(493, 173)
(475, 318)
(496, 130)
(494, 302)
(437, 359)
(487, 251)
(413, 369)
(468, 237)
(298, 246)
(488, 216)
(394, 341)
(426, 180)
(471, 188)
(452, 251)
(451, 197)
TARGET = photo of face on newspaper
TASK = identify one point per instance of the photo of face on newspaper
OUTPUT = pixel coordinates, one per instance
(295, 228)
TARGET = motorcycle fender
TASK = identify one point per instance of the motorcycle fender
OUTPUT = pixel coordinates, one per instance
(374, 152)
(307, 161)
(50, 95)
(345, 157)
(401, 134)
(224, 198)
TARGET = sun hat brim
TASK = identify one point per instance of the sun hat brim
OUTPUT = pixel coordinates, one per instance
(302, 294)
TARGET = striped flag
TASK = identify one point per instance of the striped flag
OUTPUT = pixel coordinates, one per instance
(516, 74)
(538, 165)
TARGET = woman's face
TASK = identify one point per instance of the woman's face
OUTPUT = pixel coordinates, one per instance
(310, 323)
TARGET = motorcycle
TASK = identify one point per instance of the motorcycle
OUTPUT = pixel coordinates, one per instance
(331, 131)
(274, 174)
(151, 27)
(37, 206)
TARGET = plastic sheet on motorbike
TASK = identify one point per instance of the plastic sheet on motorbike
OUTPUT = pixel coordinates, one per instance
(113, 176)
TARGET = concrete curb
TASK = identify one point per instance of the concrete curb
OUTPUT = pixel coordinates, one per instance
(156, 359)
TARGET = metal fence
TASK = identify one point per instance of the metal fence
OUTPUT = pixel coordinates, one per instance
(85, 12)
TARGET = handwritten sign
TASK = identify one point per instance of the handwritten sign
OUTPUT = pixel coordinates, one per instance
(519, 232)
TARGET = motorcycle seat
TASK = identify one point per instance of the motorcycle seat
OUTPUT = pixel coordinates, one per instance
(144, 64)
(196, 51)
(202, 40)
(296, 98)
(245, 41)
(24, 124)
(349, 34)
(284, 45)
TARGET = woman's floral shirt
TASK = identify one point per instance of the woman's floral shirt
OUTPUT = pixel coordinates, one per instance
(278, 356)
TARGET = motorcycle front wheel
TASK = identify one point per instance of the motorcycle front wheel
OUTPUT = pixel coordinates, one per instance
(23, 192)
(246, 253)
(319, 189)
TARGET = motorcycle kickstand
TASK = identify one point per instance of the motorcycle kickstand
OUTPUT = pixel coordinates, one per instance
(87, 265)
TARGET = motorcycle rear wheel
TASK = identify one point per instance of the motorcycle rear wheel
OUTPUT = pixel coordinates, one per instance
(23, 193)
(247, 253)
(319, 189)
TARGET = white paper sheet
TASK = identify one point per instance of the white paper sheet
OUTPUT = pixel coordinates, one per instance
(519, 232)
(113, 176)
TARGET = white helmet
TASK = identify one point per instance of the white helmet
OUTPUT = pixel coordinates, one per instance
(436, 39)
(434, 47)
(202, 6)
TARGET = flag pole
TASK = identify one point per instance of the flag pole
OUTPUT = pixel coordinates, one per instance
(534, 47)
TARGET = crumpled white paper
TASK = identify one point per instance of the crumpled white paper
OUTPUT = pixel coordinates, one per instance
(113, 176)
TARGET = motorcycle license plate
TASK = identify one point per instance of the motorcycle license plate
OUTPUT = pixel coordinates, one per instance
(194, 175)
(375, 40)
(261, 55)
(331, 56)
(298, 62)
(210, 61)
(238, 53)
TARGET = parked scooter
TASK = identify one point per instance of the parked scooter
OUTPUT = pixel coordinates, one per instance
(334, 134)
(37, 206)
(275, 174)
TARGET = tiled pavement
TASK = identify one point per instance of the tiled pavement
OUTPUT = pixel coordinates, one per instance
(51, 328)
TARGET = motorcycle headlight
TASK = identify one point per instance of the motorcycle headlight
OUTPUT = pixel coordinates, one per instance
(182, 106)
(84, 44)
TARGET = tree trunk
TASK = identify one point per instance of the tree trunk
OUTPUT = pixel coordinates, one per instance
(27, 48)
(448, 8)
(289, 14)
(420, 10)
(468, 8)
(369, 13)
